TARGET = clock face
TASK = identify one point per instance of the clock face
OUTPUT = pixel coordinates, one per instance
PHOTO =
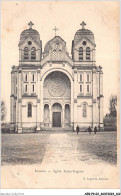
(29, 42)
(84, 42)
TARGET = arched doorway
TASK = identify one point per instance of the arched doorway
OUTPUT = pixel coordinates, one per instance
(56, 94)
(56, 115)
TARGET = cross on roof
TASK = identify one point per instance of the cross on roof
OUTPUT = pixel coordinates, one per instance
(83, 24)
(30, 24)
(55, 29)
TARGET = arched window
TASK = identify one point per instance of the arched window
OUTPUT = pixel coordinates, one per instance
(88, 88)
(26, 77)
(81, 78)
(80, 88)
(54, 54)
(88, 53)
(59, 54)
(26, 88)
(33, 53)
(80, 54)
(84, 110)
(26, 53)
(29, 110)
(33, 77)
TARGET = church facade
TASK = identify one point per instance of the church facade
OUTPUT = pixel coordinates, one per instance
(51, 89)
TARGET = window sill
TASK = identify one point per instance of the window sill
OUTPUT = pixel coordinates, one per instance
(81, 94)
(26, 93)
(33, 94)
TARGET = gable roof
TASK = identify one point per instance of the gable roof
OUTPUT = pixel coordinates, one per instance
(86, 40)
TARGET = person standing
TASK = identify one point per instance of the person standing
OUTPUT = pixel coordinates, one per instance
(77, 129)
(95, 129)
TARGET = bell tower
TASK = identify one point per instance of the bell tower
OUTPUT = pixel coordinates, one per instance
(30, 46)
(83, 46)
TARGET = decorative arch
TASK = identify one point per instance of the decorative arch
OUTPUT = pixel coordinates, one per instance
(70, 78)
(56, 106)
(57, 69)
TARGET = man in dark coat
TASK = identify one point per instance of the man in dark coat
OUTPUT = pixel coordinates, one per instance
(77, 129)
(95, 129)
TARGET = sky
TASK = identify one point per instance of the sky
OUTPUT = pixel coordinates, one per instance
(101, 17)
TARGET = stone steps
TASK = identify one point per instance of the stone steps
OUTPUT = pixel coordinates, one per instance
(56, 129)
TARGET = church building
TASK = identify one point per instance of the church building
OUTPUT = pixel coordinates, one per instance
(51, 89)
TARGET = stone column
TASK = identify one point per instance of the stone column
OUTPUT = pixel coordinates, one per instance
(94, 98)
(75, 98)
(72, 104)
(12, 110)
(101, 99)
(38, 100)
(19, 96)
(41, 103)
(63, 115)
(50, 113)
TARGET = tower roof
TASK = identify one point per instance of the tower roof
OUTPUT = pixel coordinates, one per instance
(81, 33)
(30, 33)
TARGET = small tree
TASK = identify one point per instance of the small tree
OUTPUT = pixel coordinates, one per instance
(3, 111)
(113, 105)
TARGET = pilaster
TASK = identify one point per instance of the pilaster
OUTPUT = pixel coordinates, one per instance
(50, 113)
(75, 97)
(19, 100)
(38, 100)
(63, 115)
(41, 102)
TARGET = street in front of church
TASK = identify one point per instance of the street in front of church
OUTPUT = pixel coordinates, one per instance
(58, 147)
(59, 159)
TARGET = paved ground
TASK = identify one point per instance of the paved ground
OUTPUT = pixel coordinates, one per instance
(59, 160)
(83, 147)
(59, 147)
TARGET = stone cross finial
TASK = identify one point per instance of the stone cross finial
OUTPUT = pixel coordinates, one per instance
(30, 24)
(55, 29)
(83, 24)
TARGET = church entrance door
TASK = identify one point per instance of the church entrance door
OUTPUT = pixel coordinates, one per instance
(56, 119)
